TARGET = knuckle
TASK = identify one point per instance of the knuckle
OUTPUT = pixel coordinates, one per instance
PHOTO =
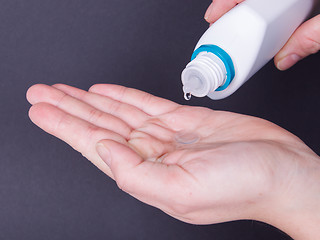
(146, 98)
(61, 100)
(310, 40)
(122, 92)
(95, 115)
(311, 46)
(89, 137)
(91, 131)
(114, 108)
(63, 122)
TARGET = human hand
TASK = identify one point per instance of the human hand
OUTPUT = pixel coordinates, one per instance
(304, 41)
(240, 168)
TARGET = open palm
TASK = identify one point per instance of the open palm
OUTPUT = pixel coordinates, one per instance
(233, 165)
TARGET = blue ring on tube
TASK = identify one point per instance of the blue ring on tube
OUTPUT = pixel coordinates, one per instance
(225, 58)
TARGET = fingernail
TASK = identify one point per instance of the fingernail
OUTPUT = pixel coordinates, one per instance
(104, 153)
(288, 61)
(208, 12)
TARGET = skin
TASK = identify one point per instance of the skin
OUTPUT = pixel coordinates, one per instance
(241, 168)
(304, 41)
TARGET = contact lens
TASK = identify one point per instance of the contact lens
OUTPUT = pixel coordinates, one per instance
(184, 137)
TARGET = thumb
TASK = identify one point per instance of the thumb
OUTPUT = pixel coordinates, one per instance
(143, 179)
(304, 41)
(120, 158)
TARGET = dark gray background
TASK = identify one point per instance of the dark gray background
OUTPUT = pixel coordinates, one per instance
(49, 191)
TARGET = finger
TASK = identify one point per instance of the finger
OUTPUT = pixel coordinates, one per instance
(79, 134)
(43, 93)
(148, 103)
(304, 41)
(108, 105)
(154, 183)
(218, 8)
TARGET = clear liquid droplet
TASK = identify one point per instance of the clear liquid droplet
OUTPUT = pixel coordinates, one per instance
(187, 96)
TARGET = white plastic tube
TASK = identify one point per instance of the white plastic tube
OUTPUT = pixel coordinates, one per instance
(239, 44)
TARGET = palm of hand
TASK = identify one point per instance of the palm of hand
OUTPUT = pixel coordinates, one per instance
(229, 166)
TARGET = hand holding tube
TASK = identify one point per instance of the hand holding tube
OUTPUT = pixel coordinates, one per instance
(304, 42)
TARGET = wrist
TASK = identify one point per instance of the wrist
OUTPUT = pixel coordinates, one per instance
(296, 209)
